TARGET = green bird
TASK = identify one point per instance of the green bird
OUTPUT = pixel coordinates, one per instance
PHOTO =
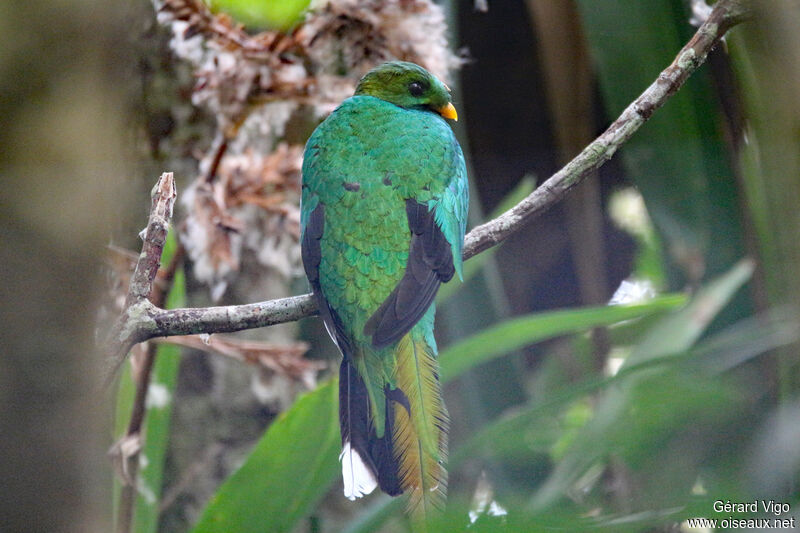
(383, 215)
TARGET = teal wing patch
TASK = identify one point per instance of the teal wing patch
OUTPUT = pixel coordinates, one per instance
(451, 206)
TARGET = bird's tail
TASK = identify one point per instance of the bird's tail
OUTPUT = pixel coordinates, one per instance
(410, 455)
(367, 459)
(419, 436)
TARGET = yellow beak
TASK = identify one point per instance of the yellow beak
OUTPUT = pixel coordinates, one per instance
(448, 111)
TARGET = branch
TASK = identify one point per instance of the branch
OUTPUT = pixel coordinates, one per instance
(142, 320)
(285, 359)
(725, 15)
(163, 198)
(128, 330)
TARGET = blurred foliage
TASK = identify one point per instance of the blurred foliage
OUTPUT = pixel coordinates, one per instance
(263, 14)
(61, 167)
(634, 418)
(680, 151)
(521, 331)
(766, 61)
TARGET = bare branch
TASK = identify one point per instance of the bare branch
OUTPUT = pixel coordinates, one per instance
(220, 147)
(725, 15)
(142, 320)
(285, 359)
(225, 319)
(163, 198)
(129, 329)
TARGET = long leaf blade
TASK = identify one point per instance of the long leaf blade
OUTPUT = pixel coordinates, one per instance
(512, 334)
(290, 468)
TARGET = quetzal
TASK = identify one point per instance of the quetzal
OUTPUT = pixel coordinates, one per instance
(384, 210)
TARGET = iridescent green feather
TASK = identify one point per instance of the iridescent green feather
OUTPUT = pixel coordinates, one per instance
(362, 166)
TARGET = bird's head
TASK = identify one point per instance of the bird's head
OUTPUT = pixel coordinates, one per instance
(408, 85)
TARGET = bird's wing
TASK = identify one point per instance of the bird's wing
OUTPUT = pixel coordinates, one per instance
(312, 224)
(437, 235)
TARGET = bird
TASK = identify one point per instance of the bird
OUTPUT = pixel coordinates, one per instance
(383, 215)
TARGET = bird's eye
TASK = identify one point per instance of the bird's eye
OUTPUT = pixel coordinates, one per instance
(415, 88)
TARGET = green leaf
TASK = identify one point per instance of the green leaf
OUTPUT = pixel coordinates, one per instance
(511, 334)
(274, 14)
(122, 412)
(159, 411)
(749, 337)
(291, 467)
(680, 331)
(638, 414)
(157, 428)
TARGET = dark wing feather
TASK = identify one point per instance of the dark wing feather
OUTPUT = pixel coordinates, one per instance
(430, 263)
(311, 253)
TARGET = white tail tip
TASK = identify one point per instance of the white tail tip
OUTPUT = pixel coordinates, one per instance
(358, 478)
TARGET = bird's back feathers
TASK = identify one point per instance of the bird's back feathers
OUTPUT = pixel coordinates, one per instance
(383, 216)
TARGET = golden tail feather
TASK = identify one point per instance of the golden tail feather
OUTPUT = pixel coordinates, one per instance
(420, 430)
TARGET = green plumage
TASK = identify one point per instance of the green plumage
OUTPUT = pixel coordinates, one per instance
(384, 210)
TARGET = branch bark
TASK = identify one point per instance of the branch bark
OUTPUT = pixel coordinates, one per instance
(142, 320)
(130, 328)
